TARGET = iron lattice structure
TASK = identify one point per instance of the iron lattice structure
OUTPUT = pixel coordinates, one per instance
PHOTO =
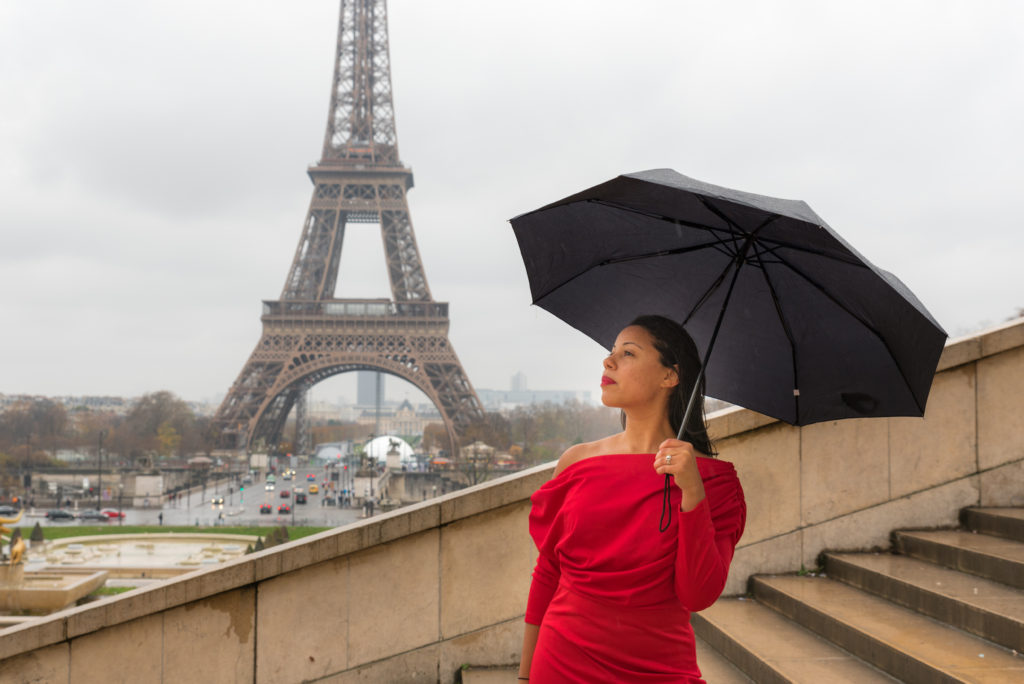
(308, 335)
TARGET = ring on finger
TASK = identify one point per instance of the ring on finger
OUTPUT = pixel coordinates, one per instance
(668, 459)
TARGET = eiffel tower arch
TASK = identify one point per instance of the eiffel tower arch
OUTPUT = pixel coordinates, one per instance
(308, 334)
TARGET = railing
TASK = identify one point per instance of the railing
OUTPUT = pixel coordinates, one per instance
(361, 308)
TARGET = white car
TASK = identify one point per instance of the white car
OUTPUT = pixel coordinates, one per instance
(269, 486)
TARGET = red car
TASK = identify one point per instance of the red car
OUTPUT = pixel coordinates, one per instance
(284, 508)
(266, 509)
(112, 514)
(285, 493)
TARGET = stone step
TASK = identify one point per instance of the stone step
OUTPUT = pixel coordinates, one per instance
(773, 650)
(1001, 560)
(713, 666)
(909, 646)
(489, 674)
(1000, 522)
(982, 607)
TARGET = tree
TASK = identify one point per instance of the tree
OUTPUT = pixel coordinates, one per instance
(158, 423)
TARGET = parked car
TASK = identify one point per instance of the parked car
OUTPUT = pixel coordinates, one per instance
(93, 515)
(284, 508)
(59, 514)
(300, 498)
(8, 510)
(313, 489)
(266, 509)
(112, 514)
(285, 493)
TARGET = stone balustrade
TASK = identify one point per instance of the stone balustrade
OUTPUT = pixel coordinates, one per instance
(414, 594)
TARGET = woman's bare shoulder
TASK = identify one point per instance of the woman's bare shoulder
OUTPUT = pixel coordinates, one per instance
(584, 450)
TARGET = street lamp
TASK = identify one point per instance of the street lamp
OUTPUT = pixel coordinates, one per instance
(99, 466)
(120, 493)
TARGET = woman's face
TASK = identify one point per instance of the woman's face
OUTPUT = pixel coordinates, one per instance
(633, 374)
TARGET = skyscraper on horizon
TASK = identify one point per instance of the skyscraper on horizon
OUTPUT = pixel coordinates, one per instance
(366, 388)
(518, 383)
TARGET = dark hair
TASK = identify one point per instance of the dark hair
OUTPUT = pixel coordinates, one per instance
(678, 350)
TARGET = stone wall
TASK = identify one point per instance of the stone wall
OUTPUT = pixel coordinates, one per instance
(412, 595)
(847, 484)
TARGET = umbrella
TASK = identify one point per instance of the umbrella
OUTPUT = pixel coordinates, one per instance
(803, 328)
(809, 329)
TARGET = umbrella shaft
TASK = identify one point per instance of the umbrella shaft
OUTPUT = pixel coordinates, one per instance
(737, 263)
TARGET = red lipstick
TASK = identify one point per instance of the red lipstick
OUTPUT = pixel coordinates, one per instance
(605, 380)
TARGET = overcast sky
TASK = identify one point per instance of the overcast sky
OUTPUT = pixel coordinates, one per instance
(153, 161)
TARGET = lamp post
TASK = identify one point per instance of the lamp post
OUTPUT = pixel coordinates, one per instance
(120, 493)
(99, 467)
(26, 477)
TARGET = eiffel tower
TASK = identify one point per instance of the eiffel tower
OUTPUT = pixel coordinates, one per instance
(308, 335)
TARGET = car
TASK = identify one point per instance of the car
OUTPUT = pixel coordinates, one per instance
(247, 479)
(285, 493)
(217, 501)
(284, 508)
(313, 489)
(8, 510)
(269, 487)
(300, 498)
(297, 490)
(286, 476)
(59, 514)
(266, 509)
(93, 515)
(310, 477)
(111, 513)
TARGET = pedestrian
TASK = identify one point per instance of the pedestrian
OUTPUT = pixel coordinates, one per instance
(160, 517)
(611, 595)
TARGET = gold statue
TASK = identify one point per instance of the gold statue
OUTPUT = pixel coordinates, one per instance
(17, 543)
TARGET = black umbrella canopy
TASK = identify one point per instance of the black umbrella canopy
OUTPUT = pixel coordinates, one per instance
(812, 331)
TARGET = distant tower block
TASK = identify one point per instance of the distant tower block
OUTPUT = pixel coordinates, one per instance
(519, 382)
(366, 389)
(308, 335)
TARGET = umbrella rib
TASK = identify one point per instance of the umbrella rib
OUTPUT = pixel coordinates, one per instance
(787, 330)
(664, 252)
(668, 219)
(859, 319)
(736, 253)
(647, 255)
(778, 244)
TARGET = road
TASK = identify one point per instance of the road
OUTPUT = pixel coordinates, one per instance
(240, 508)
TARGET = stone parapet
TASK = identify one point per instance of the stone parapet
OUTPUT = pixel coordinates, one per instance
(413, 594)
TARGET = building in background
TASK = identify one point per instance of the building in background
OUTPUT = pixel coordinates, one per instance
(518, 383)
(366, 388)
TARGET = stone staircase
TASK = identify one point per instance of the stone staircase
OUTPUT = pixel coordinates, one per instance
(946, 606)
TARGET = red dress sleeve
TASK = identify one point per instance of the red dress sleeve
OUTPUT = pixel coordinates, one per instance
(707, 540)
(545, 528)
(542, 588)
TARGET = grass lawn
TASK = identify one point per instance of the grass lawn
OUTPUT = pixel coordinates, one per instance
(55, 532)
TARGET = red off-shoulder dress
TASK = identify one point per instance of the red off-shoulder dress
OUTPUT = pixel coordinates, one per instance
(612, 594)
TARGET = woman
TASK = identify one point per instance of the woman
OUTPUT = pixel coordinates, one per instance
(611, 595)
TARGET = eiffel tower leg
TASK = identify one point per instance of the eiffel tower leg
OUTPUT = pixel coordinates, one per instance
(289, 359)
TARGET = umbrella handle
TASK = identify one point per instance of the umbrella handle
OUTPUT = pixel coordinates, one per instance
(666, 504)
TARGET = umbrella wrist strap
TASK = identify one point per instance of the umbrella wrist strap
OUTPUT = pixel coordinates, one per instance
(666, 506)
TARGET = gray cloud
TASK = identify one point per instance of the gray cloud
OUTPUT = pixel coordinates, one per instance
(154, 159)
